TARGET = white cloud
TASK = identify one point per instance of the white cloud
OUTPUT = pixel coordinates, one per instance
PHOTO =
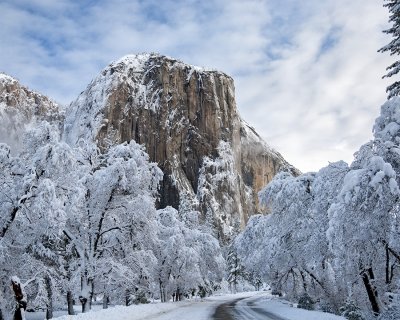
(315, 102)
(307, 74)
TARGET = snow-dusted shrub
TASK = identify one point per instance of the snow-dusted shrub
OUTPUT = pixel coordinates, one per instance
(305, 302)
(204, 291)
(351, 312)
(326, 307)
(140, 298)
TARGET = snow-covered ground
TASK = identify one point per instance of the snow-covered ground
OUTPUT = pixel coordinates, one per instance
(202, 310)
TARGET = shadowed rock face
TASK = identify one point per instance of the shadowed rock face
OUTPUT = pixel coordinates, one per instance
(187, 119)
(19, 108)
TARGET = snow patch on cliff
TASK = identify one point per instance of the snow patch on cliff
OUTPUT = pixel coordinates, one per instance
(6, 78)
(219, 174)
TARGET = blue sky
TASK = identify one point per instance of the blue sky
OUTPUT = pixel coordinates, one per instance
(307, 73)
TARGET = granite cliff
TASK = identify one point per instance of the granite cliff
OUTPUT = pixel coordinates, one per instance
(186, 117)
(20, 108)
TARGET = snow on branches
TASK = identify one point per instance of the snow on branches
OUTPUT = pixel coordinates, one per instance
(334, 234)
(77, 222)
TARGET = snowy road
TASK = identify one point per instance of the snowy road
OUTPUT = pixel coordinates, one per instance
(263, 306)
(244, 308)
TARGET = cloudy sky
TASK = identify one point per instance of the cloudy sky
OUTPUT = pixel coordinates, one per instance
(307, 73)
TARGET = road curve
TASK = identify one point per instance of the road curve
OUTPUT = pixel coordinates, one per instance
(225, 310)
(243, 309)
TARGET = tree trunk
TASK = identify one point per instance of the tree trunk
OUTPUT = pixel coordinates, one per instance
(84, 303)
(1, 315)
(86, 294)
(394, 253)
(295, 286)
(317, 281)
(20, 296)
(91, 293)
(19, 314)
(49, 313)
(162, 293)
(127, 297)
(70, 303)
(367, 276)
(177, 295)
(49, 289)
(387, 265)
(303, 278)
(392, 271)
(105, 301)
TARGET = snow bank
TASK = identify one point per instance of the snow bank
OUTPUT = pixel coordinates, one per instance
(127, 313)
(285, 310)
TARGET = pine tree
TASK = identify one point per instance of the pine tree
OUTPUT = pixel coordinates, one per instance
(394, 46)
(235, 270)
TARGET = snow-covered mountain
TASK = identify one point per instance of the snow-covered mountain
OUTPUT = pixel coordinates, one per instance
(20, 108)
(187, 119)
(185, 116)
(83, 194)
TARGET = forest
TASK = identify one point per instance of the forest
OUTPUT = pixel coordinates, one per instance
(333, 235)
(79, 224)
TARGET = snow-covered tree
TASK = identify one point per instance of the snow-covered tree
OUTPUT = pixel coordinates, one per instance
(290, 199)
(235, 269)
(365, 203)
(289, 245)
(23, 185)
(82, 215)
(188, 258)
(117, 189)
(393, 46)
(386, 130)
(325, 188)
(334, 234)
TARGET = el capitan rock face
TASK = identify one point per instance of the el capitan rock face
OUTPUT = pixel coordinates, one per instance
(187, 119)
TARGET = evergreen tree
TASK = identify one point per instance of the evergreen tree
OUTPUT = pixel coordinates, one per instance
(235, 270)
(394, 46)
(351, 312)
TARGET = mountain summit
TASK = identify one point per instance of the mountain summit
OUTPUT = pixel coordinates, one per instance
(186, 117)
